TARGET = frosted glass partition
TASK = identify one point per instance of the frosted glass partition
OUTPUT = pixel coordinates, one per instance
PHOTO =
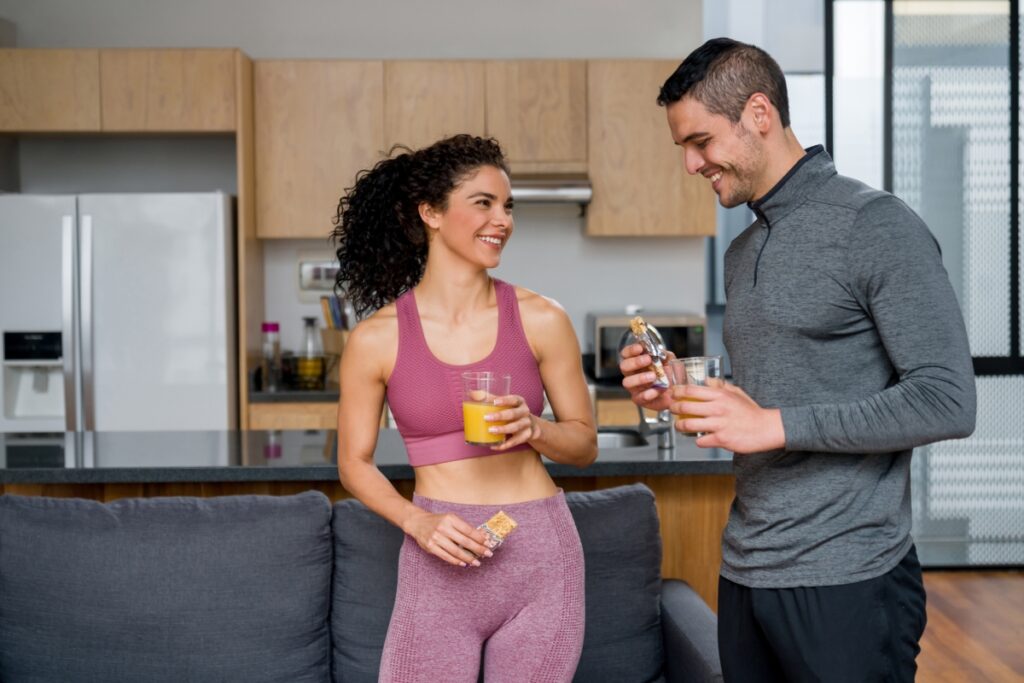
(951, 148)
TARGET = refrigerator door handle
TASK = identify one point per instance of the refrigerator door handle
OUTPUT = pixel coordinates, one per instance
(88, 389)
(68, 336)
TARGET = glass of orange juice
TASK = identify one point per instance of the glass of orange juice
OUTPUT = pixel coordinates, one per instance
(479, 391)
(699, 370)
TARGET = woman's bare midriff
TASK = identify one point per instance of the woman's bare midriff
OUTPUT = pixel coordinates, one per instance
(496, 479)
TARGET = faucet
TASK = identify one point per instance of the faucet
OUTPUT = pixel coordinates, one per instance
(663, 426)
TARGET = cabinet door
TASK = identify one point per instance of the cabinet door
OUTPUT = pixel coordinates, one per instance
(49, 90)
(309, 415)
(426, 101)
(318, 123)
(619, 412)
(537, 109)
(168, 90)
(312, 415)
(640, 185)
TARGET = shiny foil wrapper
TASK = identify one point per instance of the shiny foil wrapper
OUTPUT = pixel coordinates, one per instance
(656, 351)
(497, 529)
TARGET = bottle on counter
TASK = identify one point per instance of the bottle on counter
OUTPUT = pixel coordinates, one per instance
(270, 361)
(310, 361)
(272, 447)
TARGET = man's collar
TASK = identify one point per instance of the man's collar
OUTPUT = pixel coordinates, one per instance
(813, 168)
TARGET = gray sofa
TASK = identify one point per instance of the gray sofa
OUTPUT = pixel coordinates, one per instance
(291, 588)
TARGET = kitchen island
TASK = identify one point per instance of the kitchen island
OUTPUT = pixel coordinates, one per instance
(693, 487)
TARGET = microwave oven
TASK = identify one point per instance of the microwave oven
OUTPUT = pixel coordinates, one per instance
(683, 335)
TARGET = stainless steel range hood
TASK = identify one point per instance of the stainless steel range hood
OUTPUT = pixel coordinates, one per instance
(574, 189)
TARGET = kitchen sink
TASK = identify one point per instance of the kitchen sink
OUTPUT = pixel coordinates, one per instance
(619, 438)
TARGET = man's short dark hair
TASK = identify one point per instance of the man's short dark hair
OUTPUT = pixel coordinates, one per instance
(722, 74)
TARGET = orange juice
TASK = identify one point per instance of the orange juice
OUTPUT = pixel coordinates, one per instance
(474, 425)
(684, 416)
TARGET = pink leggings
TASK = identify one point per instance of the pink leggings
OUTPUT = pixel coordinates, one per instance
(521, 610)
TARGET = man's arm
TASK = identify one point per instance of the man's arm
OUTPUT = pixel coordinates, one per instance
(898, 275)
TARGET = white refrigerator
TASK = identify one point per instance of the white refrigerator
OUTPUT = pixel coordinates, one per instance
(117, 313)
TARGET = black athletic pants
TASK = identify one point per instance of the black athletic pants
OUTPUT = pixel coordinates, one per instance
(860, 632)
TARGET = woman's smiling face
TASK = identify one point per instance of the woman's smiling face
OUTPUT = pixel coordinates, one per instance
(477, 222)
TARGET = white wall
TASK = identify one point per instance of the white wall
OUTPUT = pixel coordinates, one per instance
(368, 29)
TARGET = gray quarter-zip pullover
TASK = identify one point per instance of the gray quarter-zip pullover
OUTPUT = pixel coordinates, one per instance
(840, 313)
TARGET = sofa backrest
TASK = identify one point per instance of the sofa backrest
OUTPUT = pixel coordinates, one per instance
(618, 529)
(165, 589)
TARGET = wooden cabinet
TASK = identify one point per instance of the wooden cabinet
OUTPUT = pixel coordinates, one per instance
(118, 91)
(299, 415)
(168, 90)
(425, 101)
(616, 412)
(619, 412)
(537, 109)
(49, 90)
(317, 124)
(640, 185)
(312, 415)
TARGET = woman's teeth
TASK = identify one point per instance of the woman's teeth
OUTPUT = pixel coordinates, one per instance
(491, 240)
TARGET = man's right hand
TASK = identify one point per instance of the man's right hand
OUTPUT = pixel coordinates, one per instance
(638, 378)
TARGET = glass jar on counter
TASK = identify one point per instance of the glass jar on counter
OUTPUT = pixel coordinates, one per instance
(309, 370)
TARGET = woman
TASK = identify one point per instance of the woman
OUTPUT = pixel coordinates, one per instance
(415, 238)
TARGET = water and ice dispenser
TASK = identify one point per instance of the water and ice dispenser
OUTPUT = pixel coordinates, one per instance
(33, 379)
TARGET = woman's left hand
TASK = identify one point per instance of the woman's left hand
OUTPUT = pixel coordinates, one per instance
(521, 425)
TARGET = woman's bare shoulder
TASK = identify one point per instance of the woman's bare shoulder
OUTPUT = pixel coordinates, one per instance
(540, 308)
(546, 324)
(377, 335)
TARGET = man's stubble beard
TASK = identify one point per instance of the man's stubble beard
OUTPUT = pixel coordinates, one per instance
(745, 170)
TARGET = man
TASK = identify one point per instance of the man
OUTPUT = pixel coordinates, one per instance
(848, 350)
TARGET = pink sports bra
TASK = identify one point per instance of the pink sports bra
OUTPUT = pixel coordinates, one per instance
(425, 394)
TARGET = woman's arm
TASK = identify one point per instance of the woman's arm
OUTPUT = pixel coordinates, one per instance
(363, 384)
(573, 438)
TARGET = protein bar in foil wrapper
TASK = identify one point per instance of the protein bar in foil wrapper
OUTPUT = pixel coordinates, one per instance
(497, 529)
(655, 350)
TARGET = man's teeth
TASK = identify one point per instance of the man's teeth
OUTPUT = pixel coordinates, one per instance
(715, 177)
(491, 240)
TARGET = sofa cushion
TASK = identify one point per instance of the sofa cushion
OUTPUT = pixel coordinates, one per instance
(363, 593)
(165, 589)
(618, 528)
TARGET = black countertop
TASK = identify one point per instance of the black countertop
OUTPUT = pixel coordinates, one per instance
(300, 455)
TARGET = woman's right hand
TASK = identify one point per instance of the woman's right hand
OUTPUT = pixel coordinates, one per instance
(638, 378)
(449, 537)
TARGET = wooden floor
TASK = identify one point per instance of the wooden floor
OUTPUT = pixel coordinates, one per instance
(975, 627)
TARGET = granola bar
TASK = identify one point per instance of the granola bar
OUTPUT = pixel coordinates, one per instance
(497, 528)
(655, 350)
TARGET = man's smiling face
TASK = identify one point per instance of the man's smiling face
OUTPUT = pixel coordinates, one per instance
(728, 154)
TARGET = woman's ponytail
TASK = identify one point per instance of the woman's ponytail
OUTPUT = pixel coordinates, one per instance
(381, 250)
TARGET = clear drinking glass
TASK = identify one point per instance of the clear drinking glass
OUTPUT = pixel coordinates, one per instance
(699, 370)
(479, 391)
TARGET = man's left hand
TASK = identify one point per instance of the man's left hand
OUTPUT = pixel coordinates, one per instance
(728, 418)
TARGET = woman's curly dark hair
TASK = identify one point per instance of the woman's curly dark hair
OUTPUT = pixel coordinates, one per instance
(380, 239)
